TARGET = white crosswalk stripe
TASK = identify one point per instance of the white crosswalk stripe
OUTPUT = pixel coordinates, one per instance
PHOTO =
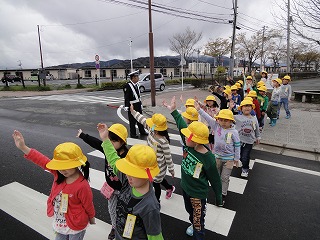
(29, 206)
(78, 98)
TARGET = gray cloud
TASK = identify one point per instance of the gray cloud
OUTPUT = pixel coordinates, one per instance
(105, 29)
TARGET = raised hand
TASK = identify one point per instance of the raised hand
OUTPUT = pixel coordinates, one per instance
(131, 108)
(19, 141)
(197, 105)
(103, 131)
(79, 132)
(181, 99)
(173, 104)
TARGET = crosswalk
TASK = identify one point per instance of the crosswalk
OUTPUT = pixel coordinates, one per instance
(29, 206)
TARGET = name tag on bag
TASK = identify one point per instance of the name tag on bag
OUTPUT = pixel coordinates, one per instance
(64, 203)
(197, 170)
(229, 138)
(106, 190)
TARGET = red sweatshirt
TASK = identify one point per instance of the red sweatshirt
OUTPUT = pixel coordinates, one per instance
(257, 108)
(80, 200)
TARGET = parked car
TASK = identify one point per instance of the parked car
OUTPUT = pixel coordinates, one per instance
(145, 83)
(11, 78)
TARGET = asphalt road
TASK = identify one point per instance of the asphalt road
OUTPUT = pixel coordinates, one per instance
(278, 203)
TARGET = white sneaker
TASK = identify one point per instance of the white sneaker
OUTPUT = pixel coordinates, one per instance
(189, 231)
(244, 174)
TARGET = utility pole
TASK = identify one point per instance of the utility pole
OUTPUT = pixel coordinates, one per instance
(151, 58)
(44, 80)
(198, 62)
(262, 45)
(130, 45)
(288, 38)
(231, 62)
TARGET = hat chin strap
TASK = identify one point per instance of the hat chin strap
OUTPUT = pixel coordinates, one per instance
(149, 174)
(190, 137)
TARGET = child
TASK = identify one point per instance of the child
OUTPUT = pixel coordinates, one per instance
(72, 215)
(253, 95)
(236, 98)
(159, 140)
(138, 211)
(263, 101)
(190, 115)
(285, 96)
(224, 99)
(197, 168)
(273, 106)
(118, 135)
(248, 128)
(226, 144)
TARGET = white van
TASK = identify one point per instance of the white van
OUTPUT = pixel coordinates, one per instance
(145, 83)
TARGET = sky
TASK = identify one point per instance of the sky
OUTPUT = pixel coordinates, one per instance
(74, 31)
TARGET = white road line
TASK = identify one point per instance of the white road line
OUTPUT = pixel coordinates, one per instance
(236, 185)
(302, 170)
(218, 219)
(29, 207)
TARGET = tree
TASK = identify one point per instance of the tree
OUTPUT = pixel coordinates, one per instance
(305, 18)
(183, 43)
(276, 51)
(217, 48)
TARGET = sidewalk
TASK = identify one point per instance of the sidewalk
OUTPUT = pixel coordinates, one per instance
(298, 136)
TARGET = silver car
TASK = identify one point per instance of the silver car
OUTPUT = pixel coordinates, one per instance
(145, 83)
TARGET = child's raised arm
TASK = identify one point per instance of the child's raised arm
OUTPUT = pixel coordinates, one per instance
(20, 143)
(173, 105)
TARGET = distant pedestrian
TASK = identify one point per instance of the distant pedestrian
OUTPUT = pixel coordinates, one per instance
(70, 199)
(118, 135)
(138, 211)
(285, 96)
(132, 96)
(274, 103)
(159, 140)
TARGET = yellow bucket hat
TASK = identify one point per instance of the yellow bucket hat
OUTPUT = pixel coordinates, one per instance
(140, 162)
(278, 80)
(238, 85)
(227, 91)
(287, 77)
(197, 132)
(234, 87)
(241, 82)
(191, 113)
(263, 88)
(248, 98)
(225, 114)
(227, 87)
(157, 122)
(190, 102)
(246, 102)
(119, 130)
(252, 93)
(260, 83)
(265, 72)
(249, 78)
(210, 98)
(67, 155)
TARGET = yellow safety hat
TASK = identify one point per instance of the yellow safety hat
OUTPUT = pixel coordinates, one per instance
(278, 80)
(210, 98)
(157, 122)
(263, 88)
(227, 87)
(249, 78)
(119, 130)
(191, 113)
(197, 132)
(241, 82)
(252, 93)
(248, 99)
(225, 114)
(265, 72)
(140, 162)
(234, 87)
(260, 83)
(190, 102)
(287, 77)
(238, 85)
(67, 155)
(227, 91)
(246, 102)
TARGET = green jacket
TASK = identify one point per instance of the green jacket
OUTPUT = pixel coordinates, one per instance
(198, 187)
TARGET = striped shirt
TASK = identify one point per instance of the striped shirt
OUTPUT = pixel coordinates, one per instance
(161, 147)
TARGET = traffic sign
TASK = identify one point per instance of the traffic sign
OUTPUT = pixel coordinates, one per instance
(97, 58)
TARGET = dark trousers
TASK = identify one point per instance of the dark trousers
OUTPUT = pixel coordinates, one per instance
(133, 122)
(197, 211)
(157, 188)
(245, 155)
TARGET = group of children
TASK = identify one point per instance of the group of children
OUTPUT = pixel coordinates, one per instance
(214, 138)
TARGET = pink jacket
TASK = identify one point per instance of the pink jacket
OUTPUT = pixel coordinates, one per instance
(80, 200)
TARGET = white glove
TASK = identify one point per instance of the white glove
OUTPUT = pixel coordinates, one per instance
(126, 109)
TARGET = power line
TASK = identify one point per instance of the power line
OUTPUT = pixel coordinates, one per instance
(214, 4)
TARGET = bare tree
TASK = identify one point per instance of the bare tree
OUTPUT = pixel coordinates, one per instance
(217, 48)
(183, 43)
(305, 18)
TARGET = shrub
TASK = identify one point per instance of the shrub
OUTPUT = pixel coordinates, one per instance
(112, 85)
